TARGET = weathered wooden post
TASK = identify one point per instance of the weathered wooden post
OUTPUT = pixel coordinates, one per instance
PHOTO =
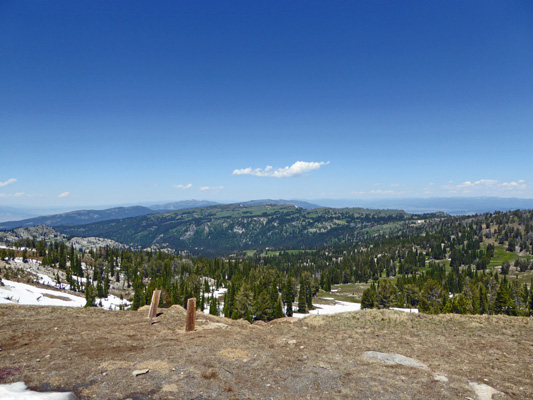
(153, 305)
(191, 315)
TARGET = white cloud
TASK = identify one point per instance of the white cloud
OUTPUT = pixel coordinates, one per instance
(188, 186)
(484, 185)
(8, 182)
(64, 194)
(296, 169)
(6, 195)
(382, 191)
(212, 189)
(480, 183)
(520, 185)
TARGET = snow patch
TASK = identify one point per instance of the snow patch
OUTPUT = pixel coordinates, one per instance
(327, 309)
(19, 391)
(21, 293)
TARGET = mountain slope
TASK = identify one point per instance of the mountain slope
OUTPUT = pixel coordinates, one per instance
(79, 217)
(229, 228)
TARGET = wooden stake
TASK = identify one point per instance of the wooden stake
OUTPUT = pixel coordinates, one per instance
(153, 305)
(191, 315)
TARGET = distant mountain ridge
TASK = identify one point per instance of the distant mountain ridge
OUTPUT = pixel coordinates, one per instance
(83, 217)
(182, 205)
(80, 217)
(298, 203)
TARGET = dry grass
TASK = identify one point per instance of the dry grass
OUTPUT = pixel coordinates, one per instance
(318, 357)
(211, 373)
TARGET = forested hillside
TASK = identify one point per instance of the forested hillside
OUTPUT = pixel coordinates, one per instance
(225, 229)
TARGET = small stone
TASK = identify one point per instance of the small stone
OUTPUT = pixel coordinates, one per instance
(56, 328)
(483, 392)
(104, 373)
(292, 341)
(301, 347)
(392, 359)
(38, 360)
(440, 378)
(138, 372)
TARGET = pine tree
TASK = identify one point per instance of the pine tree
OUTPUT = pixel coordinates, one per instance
(90, 295)
(278, 310)
(483, 300)
(327, 287)
(302, 303)
(262, 307)
(243, 304)
(213, 306)
(288, 296)
(229, 300)
(369, 298)
(273, 301)
(308, 295)
(138, 293)
(503, 303)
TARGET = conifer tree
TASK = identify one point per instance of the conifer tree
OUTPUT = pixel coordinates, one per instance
(244, 302)
(90, 295)
(483, 300)
(302, 303)
(262, 307)
(278, 310)
(213, 306)
(288, 296)
(503, 303)
(369, 298)
(138, 294)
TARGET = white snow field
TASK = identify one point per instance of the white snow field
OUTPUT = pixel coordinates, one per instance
(19, 391)
(21, 293)
(326, 309)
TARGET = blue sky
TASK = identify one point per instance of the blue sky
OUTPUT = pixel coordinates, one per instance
(113, 102)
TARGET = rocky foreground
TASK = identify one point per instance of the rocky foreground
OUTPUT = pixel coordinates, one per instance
(371, 354)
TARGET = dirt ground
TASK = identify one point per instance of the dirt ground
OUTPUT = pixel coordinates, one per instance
(94, 352)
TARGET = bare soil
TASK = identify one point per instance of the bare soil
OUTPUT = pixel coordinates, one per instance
(94, 352)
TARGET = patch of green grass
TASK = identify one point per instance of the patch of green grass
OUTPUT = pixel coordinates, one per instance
(345, 292)
(500, 256)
